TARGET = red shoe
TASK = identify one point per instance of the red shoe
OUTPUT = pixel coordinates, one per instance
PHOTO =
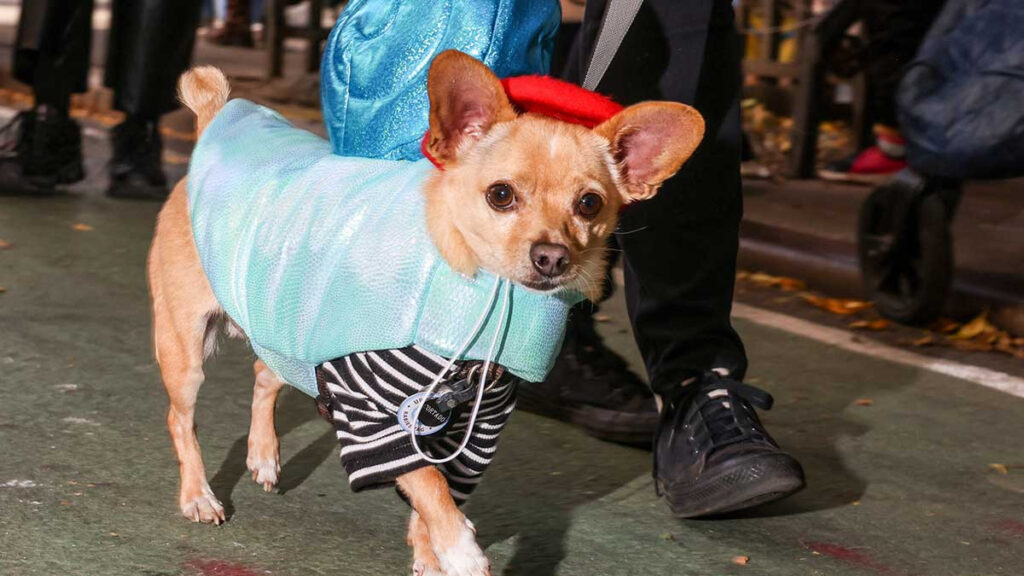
(873, 165)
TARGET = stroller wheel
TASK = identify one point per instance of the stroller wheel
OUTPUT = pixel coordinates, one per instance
(906, 249)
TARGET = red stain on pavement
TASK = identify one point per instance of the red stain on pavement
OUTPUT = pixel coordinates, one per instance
(848, 556)
(221, 568)
(1012, 526)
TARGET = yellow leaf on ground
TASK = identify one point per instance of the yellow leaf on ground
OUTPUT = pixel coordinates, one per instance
(838, 306)
(864, 402)
(873, 325)
(81, 227)
(1000, 468)
(2, 289)
(974, 328)
(783, 282)
(741, 560)
(4, 244)
(926, 340)
(792, 284)
(602, 318)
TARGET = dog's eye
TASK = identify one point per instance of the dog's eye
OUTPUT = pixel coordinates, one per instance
(589, 205)
(501, 197)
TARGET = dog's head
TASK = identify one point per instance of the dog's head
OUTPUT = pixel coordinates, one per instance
(531, 198)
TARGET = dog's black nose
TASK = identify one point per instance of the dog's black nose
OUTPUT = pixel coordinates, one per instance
(550, 259)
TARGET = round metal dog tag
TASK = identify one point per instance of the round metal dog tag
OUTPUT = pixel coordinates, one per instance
(431, 419)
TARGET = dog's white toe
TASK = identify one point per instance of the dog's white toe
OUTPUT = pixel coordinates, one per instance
(204, 508)
(264, 471)
(465, 558)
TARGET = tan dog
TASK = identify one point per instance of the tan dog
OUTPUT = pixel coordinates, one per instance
(525, 197)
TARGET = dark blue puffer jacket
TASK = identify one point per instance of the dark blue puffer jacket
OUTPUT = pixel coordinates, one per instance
(961, 101)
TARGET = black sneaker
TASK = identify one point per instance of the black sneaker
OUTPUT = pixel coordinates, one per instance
(592, 387)
(136, 169)
(42, 150)
(712, 455)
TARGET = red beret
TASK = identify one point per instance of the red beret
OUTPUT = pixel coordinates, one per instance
(549, 96)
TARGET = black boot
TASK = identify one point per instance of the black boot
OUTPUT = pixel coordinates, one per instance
(712, 455)
(136, 169)
(592, 387)
(43, 151)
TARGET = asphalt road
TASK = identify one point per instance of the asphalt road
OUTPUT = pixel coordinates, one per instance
(901, 485)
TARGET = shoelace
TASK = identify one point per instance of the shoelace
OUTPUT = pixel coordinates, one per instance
(724, 420)
(726, 423)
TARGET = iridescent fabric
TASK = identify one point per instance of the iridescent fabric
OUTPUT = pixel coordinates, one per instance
(374, 71)
(317, 256)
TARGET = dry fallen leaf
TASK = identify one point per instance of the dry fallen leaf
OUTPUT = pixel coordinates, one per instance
(864, 402)
(838, 306)
(873, 325)
(974, 328)
(944, 325)
(783, 282)
(972, 345)
(792, 284)
(741, 560)
(1000, 468)
(602, 318)
(81, 227)
(926, 340)
(4, 244)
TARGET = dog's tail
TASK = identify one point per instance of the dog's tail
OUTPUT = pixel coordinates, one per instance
(204, 90)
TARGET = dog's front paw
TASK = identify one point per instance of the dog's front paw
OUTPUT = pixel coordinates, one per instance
(464, 558)
(264, 471)
(423, 569)
(203, 507)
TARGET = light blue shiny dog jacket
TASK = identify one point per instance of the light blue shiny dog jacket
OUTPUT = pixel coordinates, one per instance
(317, 256)
(373, 78)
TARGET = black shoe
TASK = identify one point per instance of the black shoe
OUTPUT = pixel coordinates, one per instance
(592, 387)
(43, 150)
(136, 169)
(712, 455)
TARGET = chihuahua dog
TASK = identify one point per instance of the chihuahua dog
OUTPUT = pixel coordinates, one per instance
(524, 197)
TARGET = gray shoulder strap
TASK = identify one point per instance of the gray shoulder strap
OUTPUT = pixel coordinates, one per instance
(618, 16)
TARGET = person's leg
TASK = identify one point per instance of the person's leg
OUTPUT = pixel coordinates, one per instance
(51, 53)
(893, 31)
(679, 256)
(150, 47)
(236, 27)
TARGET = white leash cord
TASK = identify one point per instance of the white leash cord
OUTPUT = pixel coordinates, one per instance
(483, 376)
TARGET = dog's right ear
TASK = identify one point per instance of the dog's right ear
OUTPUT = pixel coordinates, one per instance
(466, 99)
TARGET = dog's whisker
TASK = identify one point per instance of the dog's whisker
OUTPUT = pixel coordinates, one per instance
(640, 229)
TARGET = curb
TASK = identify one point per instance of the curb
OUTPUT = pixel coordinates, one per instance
(831, 266)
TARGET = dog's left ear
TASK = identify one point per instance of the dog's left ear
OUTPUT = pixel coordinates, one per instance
(649, 142)
(466, 99)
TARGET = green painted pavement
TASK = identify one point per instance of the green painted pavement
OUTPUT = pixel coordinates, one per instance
(88, 479)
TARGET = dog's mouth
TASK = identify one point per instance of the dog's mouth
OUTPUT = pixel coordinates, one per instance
(545, 283)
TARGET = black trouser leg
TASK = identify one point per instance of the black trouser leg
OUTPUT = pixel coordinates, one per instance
(150, 47)
(679, 249)
(51, 52)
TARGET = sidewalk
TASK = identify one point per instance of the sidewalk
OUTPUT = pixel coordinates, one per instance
(807, 230)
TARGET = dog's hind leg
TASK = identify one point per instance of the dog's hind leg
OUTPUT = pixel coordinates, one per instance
(452, 536)
(185, 313)
(264, 461)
